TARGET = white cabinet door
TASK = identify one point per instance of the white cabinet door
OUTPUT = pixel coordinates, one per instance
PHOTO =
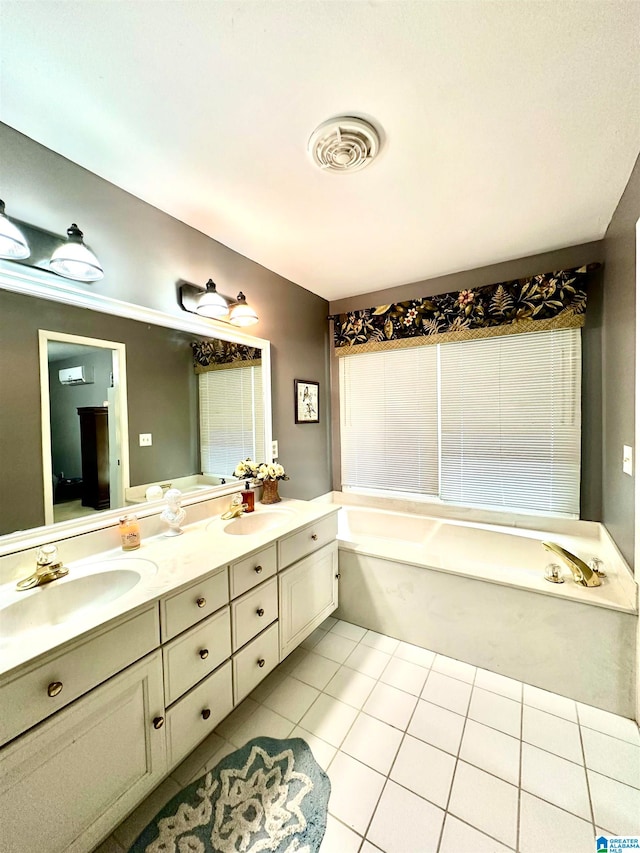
(308, 594)
(68, 782)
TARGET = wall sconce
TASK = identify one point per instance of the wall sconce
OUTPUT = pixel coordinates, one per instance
(13, 243)
(211, 303)
(75, 260)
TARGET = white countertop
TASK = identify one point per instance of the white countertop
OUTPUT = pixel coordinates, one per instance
(201, 549)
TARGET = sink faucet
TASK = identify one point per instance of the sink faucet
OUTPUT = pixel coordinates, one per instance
(581, 572)
(48, 568)
(236, 508)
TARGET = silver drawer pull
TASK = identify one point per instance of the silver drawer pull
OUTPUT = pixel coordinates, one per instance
(206, 714)
(204, 653)
(201, 602)
(314, 536)
(260, 611)
(258, 569)
(261, 662)
(54, 689)
(158, 722)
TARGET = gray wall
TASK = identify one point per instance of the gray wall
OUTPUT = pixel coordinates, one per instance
(619, 329)
(145, 253)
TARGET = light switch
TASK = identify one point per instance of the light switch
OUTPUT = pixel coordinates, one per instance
(274, 449)
(627, 460)
(145, 439)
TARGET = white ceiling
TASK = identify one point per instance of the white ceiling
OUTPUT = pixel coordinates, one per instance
(509, 128)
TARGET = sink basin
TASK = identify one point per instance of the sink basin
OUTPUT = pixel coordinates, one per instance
(257, 522)
(59, 601)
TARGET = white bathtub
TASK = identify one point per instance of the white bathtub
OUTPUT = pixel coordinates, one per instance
(477, 592)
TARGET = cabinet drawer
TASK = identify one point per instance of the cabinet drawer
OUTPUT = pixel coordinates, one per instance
(198, 713)
(253, 612)
(196, 653)
(247, 668)
(182, 610)
(25, 698)
(253, 570)
(309, 539)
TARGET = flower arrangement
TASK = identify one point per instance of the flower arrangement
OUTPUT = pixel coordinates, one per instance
(250, 470)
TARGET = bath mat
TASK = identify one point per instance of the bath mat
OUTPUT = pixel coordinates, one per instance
(270, 795)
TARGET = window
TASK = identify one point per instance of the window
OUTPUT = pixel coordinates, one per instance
(492, 422)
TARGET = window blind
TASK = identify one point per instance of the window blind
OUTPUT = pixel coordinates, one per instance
(231, 408)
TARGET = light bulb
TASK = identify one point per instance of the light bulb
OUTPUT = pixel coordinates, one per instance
(75, 260)
(242, 314)
(13, 244)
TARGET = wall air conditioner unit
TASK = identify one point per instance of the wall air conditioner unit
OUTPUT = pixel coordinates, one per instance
(80, 375)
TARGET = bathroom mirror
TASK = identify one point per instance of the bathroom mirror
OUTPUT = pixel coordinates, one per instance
(50, 337)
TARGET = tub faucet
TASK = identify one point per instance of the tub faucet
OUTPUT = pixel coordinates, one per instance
(581, 572)
(48, 568)
(236, 508)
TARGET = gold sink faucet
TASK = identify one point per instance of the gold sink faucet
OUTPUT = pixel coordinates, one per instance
(581, 572)
(236, 508)
(48, 568)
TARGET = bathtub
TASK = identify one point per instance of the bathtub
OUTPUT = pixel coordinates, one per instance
(476, 592)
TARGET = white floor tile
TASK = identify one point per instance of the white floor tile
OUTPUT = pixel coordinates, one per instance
(350, 686)
(458, 837)
(368, 847)
(109, 845)
(260, 693)
(293, 659)
(612, 757)
(424, 769)
(262, 723)
(552, 703)
(405, 823)
(454, 668)
(348, 630)
(492, 751)
(226, 748)
(316, 670)
(497, 683)
(368, 661)
(235, 719)
(551, 733)
(328, 623)
(313, 639)
(390, 705)
(380, 642)
(545, 827)
(187, 770)
(405, 676)
(291, 699)
(373, 742)
(487, 803)
(339, 838)
(131, 828)
(609, 724)
(329, 719)
(615, 806)
(322, 751)
(355, 790)
(437, 726)
(495, 711)
(556, 780)
(334, 647)
(415, 654)
(447, 692)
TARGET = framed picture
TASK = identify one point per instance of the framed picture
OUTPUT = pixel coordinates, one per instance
(307, 401)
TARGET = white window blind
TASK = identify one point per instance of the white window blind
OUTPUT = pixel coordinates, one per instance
(231, 418)
(389, 420)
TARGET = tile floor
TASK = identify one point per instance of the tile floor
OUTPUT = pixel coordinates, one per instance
(426, 753)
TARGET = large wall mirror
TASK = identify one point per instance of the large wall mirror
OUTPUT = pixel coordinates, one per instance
(100, 400)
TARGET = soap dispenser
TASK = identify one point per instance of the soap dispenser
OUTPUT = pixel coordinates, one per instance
(248, 497)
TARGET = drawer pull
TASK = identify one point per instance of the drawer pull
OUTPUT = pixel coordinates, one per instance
(338, 575)
(201, 602)
(204, 653)
(260, 611)
(261, 662)
(158, 722)
(258, 569)
(206, 714)
(54, 689)
(314, 536)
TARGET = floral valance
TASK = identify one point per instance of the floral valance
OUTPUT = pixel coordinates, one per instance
(215, 354)
(553, 300)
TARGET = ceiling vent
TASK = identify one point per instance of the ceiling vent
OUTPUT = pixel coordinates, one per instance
(344, 144)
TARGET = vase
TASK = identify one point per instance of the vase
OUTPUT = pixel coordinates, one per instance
(270, 492)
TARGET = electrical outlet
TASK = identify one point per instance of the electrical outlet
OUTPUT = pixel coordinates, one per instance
(274, 449)
(145, 439)
(627, 460)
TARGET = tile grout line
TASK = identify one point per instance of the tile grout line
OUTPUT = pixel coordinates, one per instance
(519, 806)
(586, 777)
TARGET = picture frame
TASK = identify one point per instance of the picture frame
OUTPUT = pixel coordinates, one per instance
(306, 395)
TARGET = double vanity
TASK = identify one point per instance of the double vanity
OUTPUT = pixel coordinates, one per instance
(111, 675)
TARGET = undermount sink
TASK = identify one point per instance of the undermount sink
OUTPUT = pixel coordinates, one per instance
(54, 603)
(257, 522)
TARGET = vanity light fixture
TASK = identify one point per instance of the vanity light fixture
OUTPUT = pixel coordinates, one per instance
(13, 244)
(211, 303)
(75, 260)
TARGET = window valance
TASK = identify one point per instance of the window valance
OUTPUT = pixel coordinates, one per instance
(215, 354)
(554, 300)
